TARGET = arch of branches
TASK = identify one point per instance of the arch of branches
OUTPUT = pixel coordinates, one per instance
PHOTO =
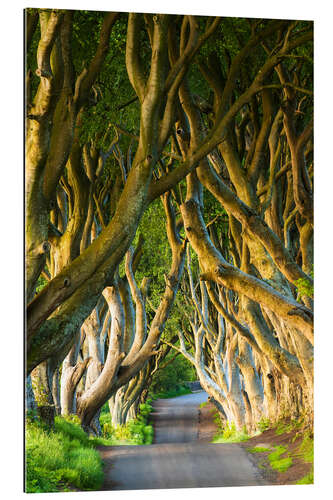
(169, 181)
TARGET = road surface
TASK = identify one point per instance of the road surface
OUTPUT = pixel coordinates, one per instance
(177, 459)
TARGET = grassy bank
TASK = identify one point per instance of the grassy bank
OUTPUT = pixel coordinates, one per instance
(135, 432)
(60, 459)
(65, 458)
(288, 454)
(283, 451)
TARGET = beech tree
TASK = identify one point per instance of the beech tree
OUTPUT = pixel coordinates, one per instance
(210, 118)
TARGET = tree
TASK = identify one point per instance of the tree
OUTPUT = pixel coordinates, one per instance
(220, 130)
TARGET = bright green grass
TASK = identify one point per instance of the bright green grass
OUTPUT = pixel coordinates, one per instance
(135, 432)
(286, 427)
(308, 479)
(238, 437)
(228, 433)
(278, 463)
(61, 458)
(305, 452)
(57, 460)
(258, 449)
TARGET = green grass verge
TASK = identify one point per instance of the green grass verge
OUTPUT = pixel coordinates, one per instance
(135, 432)
(305, 452)
(308, 479)
(278, 463)
(258, 449)
(228, 433)
(57, 460)
(65, 458)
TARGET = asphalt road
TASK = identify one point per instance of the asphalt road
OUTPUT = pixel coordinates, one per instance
(177, 459)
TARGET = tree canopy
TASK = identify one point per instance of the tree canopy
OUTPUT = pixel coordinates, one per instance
(169, 209)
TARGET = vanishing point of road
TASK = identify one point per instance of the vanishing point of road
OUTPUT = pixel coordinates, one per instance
(177, 459)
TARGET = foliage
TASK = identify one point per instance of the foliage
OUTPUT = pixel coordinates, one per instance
(304, 288)
(305, 452)
(40, 284)
(40, 392)
(136, 432)
(169, 381)
(285, 426)
(263, 424)
(180, 390)
(229, 433)
(57, 460)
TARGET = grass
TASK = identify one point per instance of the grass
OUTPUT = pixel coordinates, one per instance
(228, 433)
(258, 449)
(284, 427)
(308, 479)
(65, 457)
(275, 460)
(57, 460)
(278, 463)
(135, 432)
(281, 464)
(305, 452)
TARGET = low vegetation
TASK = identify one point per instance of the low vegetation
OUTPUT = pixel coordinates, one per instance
(136, 432)
(278, 462)
(228, 433)
(61, 458)
(65, 458)
(169, 238)
(297, 448)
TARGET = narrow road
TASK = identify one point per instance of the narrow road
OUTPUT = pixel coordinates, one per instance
(177, 459)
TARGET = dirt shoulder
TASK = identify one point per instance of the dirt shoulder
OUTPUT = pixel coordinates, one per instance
(269, 439)
(207, 428)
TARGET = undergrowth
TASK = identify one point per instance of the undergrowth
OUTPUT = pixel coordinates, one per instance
(228, 433)
(308, 479)
(65, 458)
(258, 449)
(57, 460)
(277, 462)
(281, 458)
(305, 452)
(135, 432)
(180, 390)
